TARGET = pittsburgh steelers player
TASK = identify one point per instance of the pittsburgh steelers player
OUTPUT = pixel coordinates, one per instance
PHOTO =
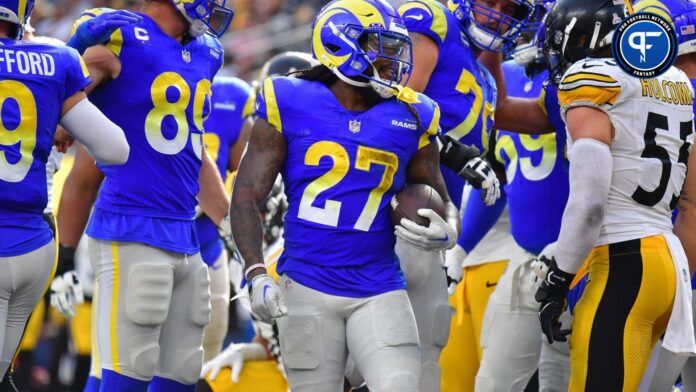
(446, 43)
(342, 159)
(683, 14)
(153, 297)
(58, 75)
(619, 211)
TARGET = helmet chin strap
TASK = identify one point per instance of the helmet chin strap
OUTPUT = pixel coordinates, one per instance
(348, 80)
(380, 85)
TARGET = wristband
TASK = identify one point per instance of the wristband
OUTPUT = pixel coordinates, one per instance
(253, 267)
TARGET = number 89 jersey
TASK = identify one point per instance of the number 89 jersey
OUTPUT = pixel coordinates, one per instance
(341, 171)
(160, 99)
(653, 122)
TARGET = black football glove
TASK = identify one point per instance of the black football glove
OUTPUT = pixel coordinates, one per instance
(476, 171)
(552, 298)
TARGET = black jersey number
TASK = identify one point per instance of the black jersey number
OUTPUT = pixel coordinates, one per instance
(654, 151)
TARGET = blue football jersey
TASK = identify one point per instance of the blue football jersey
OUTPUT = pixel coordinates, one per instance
(222, 129)
(341, 171)
(35, 81)
(536, 169)
(461, 86)
(160, 99)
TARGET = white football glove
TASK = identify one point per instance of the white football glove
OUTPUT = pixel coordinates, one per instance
(540, 264)
(267, 302)
(480, 175)
(225, 227)
(439, 235)
(66, 293)
(454, 259)
(234, 357)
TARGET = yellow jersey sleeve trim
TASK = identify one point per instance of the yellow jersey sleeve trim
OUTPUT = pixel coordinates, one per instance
(588, 76)
(541, 102)
(249, 104)
(424, 141)
(588, 95)
(115, 43)
(435, 123)
(439, 20)
(85, 70)
(272, 110)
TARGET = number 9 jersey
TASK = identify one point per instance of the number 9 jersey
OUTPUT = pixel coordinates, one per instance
(35, 81)
(160, 99)
(341, 171)
(653, 122)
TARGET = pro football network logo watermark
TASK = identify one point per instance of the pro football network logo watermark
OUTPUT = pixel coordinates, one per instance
(645, 45)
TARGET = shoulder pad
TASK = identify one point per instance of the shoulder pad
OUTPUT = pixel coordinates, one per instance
(591, 82)
(426, 17)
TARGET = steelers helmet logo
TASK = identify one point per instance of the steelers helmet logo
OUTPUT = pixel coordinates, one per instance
(645, 45)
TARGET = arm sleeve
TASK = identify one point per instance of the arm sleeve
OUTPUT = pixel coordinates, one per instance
(104, 140)
(590, 174)
(478, 219)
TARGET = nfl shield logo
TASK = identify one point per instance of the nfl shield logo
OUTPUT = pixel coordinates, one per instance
(354, 126)
(186, 55)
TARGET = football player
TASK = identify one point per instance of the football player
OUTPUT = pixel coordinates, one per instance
(342, 158)
(153, 298)
(58, 75)
(683, 15)
(619, 210)
(446, 42)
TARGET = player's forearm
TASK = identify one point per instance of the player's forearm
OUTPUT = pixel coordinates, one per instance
(590, 180)
(212, 196)
(522, 115)
(247, 229)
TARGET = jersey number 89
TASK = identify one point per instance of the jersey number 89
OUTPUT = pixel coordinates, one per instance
(177, 109)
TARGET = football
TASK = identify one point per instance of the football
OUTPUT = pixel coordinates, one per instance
(413, 197)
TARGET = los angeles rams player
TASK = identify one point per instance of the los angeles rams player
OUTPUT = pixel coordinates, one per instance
(446, 43)
(58, 76)
(341, 162)
(620, 205)
(152, 286)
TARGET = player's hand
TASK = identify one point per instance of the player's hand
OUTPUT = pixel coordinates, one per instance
(480, 175)
(62, 140)
(454, 259)
(540, 264)
(234, 357)
(225, 227)
(439, 235)
(267, 301)
(552, 298)
(66, 293)
(98, 29)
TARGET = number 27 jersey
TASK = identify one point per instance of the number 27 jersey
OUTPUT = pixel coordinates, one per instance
(340, 173)
(653, 122)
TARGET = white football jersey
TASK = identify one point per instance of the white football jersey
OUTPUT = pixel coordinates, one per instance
(653, 123)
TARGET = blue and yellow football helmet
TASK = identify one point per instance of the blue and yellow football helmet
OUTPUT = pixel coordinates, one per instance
(683, 15)
(499, 30)
(205, 16)
(16, 12)
(351, 36)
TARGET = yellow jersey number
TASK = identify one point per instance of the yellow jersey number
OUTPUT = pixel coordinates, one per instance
(467, 85)
(163, 108)
(366, 157)
(546, 143)
(24, 133)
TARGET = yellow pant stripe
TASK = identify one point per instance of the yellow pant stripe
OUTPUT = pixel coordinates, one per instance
(113, 332)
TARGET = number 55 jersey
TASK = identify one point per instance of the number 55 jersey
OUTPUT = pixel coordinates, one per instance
(160, 98)
(653, 123)
(341, 171)
(35, 81)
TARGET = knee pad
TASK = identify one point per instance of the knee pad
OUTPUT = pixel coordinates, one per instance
(142, 357)
(149, 293)
(200, 299)
(394, 322)
(300, 342)
(399, 382)
(441, 325)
